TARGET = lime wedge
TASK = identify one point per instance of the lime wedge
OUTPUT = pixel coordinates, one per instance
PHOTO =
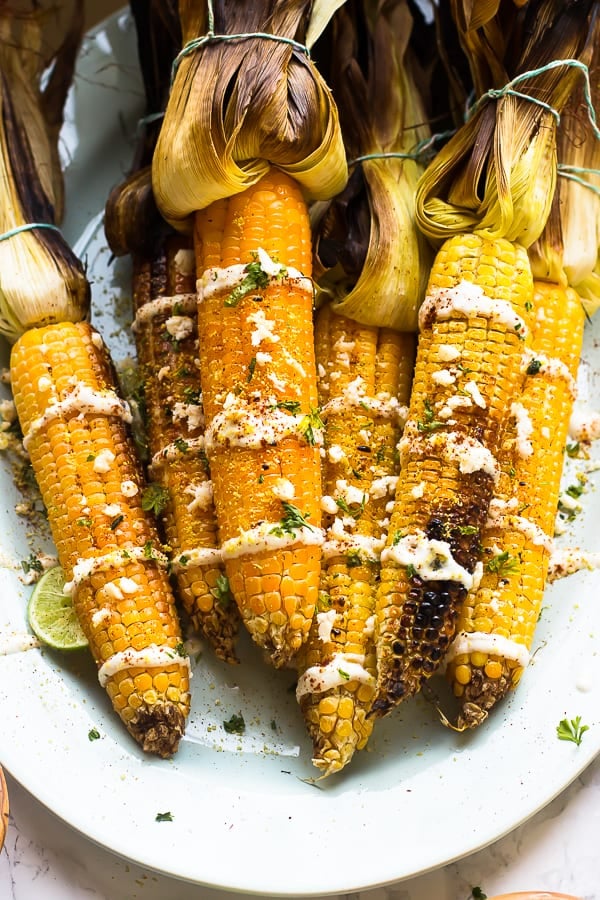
(51, 615)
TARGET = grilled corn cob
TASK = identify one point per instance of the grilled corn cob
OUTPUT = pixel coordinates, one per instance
(496, 624)
(473, 329)
(253, 256)
(364, 380)
(74, 427)
(164, 293)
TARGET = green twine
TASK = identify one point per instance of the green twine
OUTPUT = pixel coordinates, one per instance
(508, 89)
(211, 38)
(573, 173)
(420, 150)
(29, 227)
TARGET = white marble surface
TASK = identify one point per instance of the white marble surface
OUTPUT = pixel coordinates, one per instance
(557, 850)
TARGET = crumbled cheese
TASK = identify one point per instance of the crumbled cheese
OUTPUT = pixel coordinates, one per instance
(584, 425)
(112, 509)
(190, 412)
(325, 622)
(44, 383)
(418, 490)
(103, 460)
(335, 453)
(349, 493)
(329, 505)
(184, 262)
(202, 496)
(472, 389)
(524, 428)
(129, 488)
(179, 327)
(457, 401)
(380, 487)
(278, 383)
(263, 328)
(444, 377)
(448, 353)
(97, 340)
(99, 616)
(321, 370)
(263, 358)
(163, 372)
(113, 591)
(567, 560)
(284, 489)
(469, 300)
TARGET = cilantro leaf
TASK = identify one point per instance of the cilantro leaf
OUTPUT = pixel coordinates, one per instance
(254, 279)
(155, 498)
(235, 725)
(571, 730)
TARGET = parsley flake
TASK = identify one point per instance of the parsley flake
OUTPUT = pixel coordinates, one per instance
(93, 734)
(235, 725)
(429, 421)
(292, 519)
(32, 564)
(254, 279)
(503, 564)
(571, 730)
(164, 817)
(155, 498)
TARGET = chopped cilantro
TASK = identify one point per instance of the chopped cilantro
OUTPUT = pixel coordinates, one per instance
(261, 478)
(235, 725)
(155, 498)
(90, 457)
(204, 461)
(410, 571)
(180, 649)
(467, 529)
(311, 421)
(353, 558)
(292, 519)
(572, 450)
(528, 305)
(344, 675)
(192, 395)
(93, 734)
(32, 564)
(181, 445)
(164, 817)
(251, 368)
(323, 601)
(429, 422)
(503, 564)
(221, 591)
(476, 892)
(571, 730)
(273, 725)
(254, 279)
(398, 535)
(84, 522)
(575, 490)
(292, 406)
(342, 504)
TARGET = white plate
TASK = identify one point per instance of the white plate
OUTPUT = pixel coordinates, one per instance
(244, 815)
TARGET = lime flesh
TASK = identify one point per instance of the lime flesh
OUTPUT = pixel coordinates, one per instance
(51, 615)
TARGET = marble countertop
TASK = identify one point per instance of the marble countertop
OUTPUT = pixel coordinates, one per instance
(556, 850)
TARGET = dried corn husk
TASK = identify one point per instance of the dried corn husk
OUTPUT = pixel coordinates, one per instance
(567, 252)
(371, 260)
(41, 281)
(238, 107)
(497, 175)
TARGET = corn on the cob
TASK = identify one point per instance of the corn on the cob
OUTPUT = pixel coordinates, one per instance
(74, 427)
(496, 625)
(164, 293)
(253, 256)
(473, 329)
(364, 380)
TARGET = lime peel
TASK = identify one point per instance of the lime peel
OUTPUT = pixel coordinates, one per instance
(51, 614)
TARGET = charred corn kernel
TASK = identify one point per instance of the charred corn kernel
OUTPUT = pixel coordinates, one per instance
(518, 533)
(253, 252)
(166, 334)
(107, 544)
(474, 327)
(364, 380)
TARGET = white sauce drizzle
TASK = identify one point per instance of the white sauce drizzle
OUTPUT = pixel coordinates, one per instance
(241, 424)
(499, 519)
(550, 366)
(355, 394)
(84, 568)
(83, 399)
(524, 427)
(152, 657)
(431, 559)
(223, 280)
(261, 538)
(370, 548)
(325, 622)
(492, 644)
(584, 425)
(469, 300)
(17, 642)
(568, 560)
(186, 302)
(196, 556)
(342, 669)
(470, 454)
(175, 450)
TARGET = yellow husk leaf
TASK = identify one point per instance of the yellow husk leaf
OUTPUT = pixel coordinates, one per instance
(41, 281)
(389, 288)
(237, 108)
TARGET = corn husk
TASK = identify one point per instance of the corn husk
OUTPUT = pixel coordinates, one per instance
(497, 175)
(41, 280)
(238, 107)
(371, 260)
(567, 252)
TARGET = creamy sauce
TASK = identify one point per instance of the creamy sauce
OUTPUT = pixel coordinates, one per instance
(431, 559)
(491, 644)
(262, 538)
(202, 496)
(186, 302)
(370, 548)
(469, 300)
(325, 622)
(196, 556)
(84, 400)
(343, 668)
(584, 425)
(552, 367)
(216, 281)
(84, 568)
(17, 642)
(152, 657)
(568, 560)
(524, 428)
(175, 450)
(241, 424)
(500, 517)
(468, 453)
